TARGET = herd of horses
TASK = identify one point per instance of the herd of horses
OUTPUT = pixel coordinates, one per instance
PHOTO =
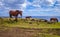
(17, 12)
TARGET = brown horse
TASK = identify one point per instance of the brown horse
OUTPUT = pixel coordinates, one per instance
(15, 14)
(53, 19)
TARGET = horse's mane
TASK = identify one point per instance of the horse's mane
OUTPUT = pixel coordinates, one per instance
(17, 10)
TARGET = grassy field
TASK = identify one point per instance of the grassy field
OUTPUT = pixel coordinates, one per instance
(5, 22)
(47, 35)
(26, 24)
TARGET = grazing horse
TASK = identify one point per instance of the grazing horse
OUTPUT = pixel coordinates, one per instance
(53, 19)
(43, 20)
(28, 17)
(15, 14)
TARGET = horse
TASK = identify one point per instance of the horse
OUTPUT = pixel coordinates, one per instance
(43, 20)
(28, 17)
(53, 19)
(15, 14)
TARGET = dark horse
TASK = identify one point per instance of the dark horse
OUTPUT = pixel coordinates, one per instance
(15, 14)
(53, 19)
(28, 17)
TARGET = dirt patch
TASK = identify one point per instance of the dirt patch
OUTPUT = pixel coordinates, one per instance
(18, 32)
(23, 32)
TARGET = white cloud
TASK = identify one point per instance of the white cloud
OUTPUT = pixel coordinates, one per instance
(35, 3)
(52, 1)
(24, 5)
(10, 1)
(38, 4)
(1, 4)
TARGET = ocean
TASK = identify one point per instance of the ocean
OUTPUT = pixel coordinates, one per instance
(45, 17)
(39, 17)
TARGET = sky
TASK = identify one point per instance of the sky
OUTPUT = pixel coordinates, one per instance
(31, 7)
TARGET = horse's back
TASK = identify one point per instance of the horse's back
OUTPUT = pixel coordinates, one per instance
(14, 13)
(54, 19)
(10, 12)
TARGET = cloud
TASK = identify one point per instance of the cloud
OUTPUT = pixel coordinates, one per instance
(40, 7)
(14, 1)
(48, 7)
(10, 1)
(44, 4)
(12, 4)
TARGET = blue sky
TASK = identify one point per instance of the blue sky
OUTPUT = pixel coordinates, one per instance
(31, 7)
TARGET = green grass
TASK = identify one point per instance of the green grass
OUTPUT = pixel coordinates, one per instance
(21, 23)
(26, 24)
(47, 35)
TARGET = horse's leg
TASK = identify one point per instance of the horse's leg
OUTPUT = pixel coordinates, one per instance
(10, 16)
(21, 16)
(16, 18)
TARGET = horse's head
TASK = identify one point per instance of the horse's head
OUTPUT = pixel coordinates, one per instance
(19, 12)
